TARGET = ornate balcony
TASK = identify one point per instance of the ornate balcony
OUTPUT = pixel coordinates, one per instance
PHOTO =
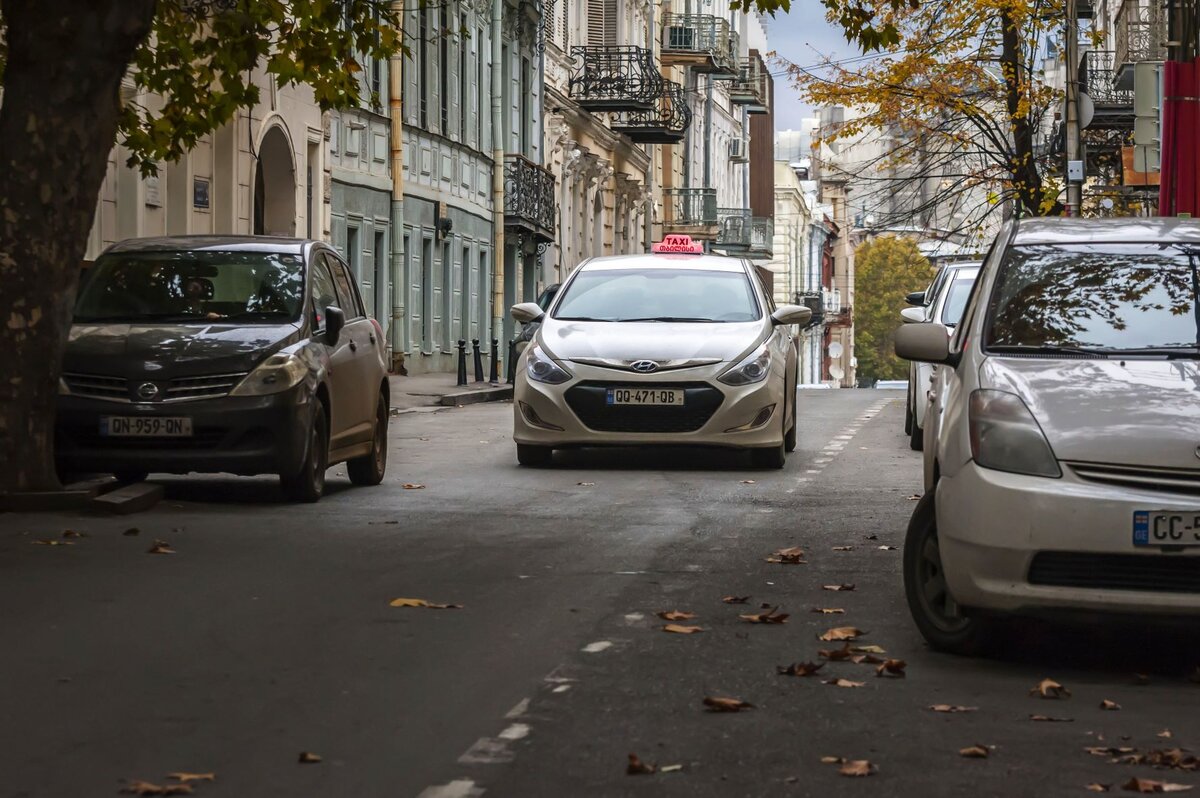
(615, 79)
(1097, 78)
(752, 236)
(1141, 36)
(702, 42)
(664, 124)
(529, 204)
(752, 86)
(691, 211)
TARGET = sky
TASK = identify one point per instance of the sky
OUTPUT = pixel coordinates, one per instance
(801, 37)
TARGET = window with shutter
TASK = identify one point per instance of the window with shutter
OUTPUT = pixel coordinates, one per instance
(601, 23)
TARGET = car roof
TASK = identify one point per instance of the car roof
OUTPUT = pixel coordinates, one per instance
(222, 243)
(711, 263)
(1116, 230)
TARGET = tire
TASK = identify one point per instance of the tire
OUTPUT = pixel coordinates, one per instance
(909, 420)
(943, 624)
(130, 477)
(368, 470)
(773, 457)
(916, 436)
(308, 483)
(534, 456)
(789, 437)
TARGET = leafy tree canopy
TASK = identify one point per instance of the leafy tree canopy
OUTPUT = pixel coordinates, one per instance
(886, 269)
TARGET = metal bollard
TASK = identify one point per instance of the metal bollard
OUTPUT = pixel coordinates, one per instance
(495, 362)
(478, 360)
(462, 362)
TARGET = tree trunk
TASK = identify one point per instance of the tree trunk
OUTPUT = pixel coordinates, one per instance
(1027, 181)
(58, 122)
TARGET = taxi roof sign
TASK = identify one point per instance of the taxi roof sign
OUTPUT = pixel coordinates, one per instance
(677, 245)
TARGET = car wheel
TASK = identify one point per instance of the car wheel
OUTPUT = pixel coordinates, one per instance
(909, 419)
(534, 456)
(772, 457)
(369, 469)
(130, 477)
(307, 484)
(916, 436)
(789, 437)
(944, 625)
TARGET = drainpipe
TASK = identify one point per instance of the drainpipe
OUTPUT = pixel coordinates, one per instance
(498, 309)
(651, 150)
(708, 118)
(396, 144)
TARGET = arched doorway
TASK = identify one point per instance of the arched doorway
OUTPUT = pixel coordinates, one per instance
(275, 186)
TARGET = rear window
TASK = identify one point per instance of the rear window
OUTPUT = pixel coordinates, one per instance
(658, 294)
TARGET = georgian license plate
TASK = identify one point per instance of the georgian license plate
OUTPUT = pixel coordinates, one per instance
(645, 396)
(1166, 528)
(148, 427)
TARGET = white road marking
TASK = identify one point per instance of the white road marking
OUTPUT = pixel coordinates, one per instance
(562, 688)
(597, 647)
(487, 751)
(634, 617)
(460, 788)
(519, 710)
(515, 732)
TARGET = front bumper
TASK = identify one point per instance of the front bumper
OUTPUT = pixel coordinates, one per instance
(1022, 544)
(711, 409)
(237, 435)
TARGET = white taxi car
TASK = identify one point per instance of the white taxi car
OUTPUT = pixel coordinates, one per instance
(1063, 443)
(671, 348)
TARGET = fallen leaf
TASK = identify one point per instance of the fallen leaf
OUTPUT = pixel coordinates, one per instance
(586, 484)
(53, 542)
(717, 704)
(869, 659)
(833, 760)
(1048, 688)
(160, 547)
(857, 767)
(186, 777)
(133, 530)
(670, 768)
(137, 787)
(843, 683)
(1149, 785)
(676, 615)
(413, 486)
(828, 610)
(309, 758)
(71, 533)
(748, 482)
(411, 602)
(974, 752)
(1164, 734)
(1048, 719)
(1096, 786)
(916, 497)
(893, 666)
(887, 548)
(1100, 750)
(844, 586)
(1109, 705)
(953, 708)
(682, 630)
(637, 766)
(789, 556)
(837, 654)
(800, 668)
(770, 616)
(842, 633)
(735, 599)
(868, 649)
(843, 548)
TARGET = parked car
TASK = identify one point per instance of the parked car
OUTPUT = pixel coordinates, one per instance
(891, 385)
(1062, 455)
(245, 355)
(673, 348)
(947, 300)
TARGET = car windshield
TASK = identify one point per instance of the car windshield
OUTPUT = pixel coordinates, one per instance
(658, 294)
(1114, 297)
(956, 300)
(184, 286)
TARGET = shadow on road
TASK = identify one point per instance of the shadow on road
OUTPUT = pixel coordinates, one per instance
(232, 490)
(654, 458)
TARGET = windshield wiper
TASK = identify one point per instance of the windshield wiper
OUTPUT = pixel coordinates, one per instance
(1049, 349)
(1168, 352)
(673, 318)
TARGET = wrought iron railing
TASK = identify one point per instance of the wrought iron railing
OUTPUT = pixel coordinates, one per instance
(751, 87)
(615, 79)
(685, 207)
(1097, 78)
(705, 35)
(529, 197)
(1141, 32)
(746, 233)
(663, 124)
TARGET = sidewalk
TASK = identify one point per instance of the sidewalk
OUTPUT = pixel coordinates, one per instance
(429, 392)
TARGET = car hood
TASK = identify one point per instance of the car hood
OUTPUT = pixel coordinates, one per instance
(658, 341)
(1135, 412)
(166, 351)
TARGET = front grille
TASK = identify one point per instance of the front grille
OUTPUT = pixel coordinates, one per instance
(1155, 573)
(90, 438)
(96, 386)
(211, 386)
(1169, 480)
(588, 400)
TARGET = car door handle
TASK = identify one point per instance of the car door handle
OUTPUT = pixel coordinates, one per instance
(372, 337)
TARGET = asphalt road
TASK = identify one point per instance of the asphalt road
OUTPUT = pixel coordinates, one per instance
(269, 632)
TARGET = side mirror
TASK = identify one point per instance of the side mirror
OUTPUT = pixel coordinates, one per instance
(526, 312)
(913, 315)
(924, 343)
(792, 314)
(335, 320)
(916, 298)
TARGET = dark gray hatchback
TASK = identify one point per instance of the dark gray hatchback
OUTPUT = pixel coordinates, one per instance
(245, 355)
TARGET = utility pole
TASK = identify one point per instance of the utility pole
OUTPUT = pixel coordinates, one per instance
(1074, 170)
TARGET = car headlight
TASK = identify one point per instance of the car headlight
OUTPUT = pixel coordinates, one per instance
(540, 368)
(1006, 437)
(275, 374)
(754, 368)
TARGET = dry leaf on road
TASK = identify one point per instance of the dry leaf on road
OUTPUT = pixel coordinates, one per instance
(842, 633)
(718, 704)
(1109, 705)
(735, 599)
(867, 659)
(857, 767)
(843, 586)
(916, 497)
(770, 616)
(828, 610)
(793, 555)
(71, 533)
(1150, 785)
(637, 767)
(670, 768)
(682, 630)
(160, 547)
(836, 654)
(1048, 688)
(412, 602)
(887, 548)
(1096, 786)
(53, 542)
(676, 615)
(843, 548)
(843, 683)
(413, 486)
(868, 649)
(952, 708)
(137, 787)
(974, 751)
(186, 777)
(309, 758)
(800, 669)
(1048, 719)
(833, 760)
(895, 667)
(1164, 734)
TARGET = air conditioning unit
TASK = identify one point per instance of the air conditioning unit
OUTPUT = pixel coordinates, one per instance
(739, 151)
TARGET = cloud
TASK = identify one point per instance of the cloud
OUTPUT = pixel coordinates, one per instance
(802, 37)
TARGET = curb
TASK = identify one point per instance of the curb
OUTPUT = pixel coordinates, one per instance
(497, 394)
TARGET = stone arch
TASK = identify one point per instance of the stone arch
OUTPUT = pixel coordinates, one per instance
(275, 185)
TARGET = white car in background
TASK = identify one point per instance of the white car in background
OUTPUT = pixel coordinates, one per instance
(666, 349)
(1063, 455)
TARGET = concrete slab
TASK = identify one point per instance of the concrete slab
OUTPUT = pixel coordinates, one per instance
(129, 499)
